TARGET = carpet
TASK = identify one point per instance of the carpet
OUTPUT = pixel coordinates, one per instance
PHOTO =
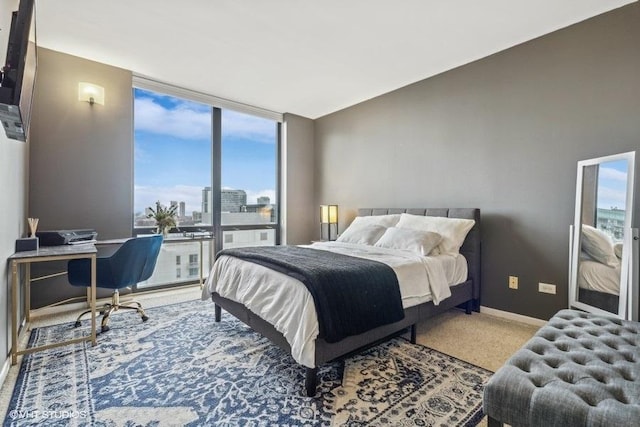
(182, 368)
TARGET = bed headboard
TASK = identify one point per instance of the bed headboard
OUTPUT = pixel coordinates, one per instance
(471, 246)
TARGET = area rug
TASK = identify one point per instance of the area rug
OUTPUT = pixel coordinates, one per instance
(182, 368)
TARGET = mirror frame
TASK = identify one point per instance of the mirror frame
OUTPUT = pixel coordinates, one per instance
(627, 294)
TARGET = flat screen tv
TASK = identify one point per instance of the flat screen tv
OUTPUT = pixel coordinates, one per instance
(19, 72)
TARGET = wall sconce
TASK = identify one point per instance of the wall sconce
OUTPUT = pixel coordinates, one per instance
(328, 222)
(88, 92)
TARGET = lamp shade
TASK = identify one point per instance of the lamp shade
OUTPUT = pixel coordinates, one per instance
(329, 214)
(91, 93)
(328, 222)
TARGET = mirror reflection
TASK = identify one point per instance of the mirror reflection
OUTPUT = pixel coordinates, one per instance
(599, 270)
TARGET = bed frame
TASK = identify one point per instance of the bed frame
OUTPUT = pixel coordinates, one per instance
(466, 295)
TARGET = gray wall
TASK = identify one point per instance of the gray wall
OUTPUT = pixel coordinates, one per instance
(81, 157)
(299, 222)
(502, 134)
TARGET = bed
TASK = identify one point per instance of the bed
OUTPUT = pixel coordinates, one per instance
(599, 270)
(315, 349)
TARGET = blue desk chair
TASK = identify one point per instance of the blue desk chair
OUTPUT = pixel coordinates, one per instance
(131, 263)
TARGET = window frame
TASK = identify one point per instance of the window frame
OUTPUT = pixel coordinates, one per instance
(217, 105)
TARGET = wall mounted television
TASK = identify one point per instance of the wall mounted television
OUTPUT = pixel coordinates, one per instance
(19, 72)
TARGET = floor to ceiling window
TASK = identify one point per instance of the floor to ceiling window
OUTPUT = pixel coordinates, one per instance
(248, 180)
(217, 166)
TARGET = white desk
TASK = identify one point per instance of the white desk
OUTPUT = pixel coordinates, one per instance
(44, 254)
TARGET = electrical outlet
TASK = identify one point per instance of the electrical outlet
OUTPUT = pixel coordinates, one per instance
(513, 282)
(547, 288)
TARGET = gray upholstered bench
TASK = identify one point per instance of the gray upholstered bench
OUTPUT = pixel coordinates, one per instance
(580, 369)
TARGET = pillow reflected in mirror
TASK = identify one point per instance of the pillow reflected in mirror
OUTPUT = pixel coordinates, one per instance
(598, 246)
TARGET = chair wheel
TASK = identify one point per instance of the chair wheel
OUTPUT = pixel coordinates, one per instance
(145, 318)
(77, 324)
(105, 328)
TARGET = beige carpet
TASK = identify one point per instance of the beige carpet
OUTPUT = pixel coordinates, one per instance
(481, 339)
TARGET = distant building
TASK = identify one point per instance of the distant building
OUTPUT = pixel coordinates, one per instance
(611, 221)
(233, 200)
(264, 200)
(207, 208)
(182, 210)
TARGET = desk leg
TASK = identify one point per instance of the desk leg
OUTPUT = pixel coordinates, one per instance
(27, 292)
(93, 300)
(14, 312)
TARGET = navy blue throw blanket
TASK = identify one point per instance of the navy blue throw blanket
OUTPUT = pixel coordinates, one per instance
(352, 295)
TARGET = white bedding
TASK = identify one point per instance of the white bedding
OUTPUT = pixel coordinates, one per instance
(596, 276)
(287, 304)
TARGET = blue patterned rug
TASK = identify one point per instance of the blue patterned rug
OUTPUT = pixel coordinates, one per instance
(182, 368)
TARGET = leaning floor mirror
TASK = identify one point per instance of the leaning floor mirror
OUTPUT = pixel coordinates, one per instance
(603, 246)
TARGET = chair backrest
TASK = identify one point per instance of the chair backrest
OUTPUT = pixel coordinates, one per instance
(152, 257)
(135, 260)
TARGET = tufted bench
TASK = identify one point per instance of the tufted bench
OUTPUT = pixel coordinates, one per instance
(579, 369)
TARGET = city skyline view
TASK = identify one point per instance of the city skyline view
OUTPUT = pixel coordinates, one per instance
(172, 158)
(612, 184)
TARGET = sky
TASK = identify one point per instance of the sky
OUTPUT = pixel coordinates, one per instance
(172, 158)
(612, 184)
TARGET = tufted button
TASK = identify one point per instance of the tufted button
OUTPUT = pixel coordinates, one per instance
(588, 345)
(629, 357)
(606, 358)
(619, 395)
(553, 362)
(537, 349)
(523, 365)
(625, 374)
(611, 344)
(537, 382)
(567, 377)
(579, 359)
(588, 398)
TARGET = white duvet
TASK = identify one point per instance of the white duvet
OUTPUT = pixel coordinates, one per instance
(599, 277)
(287, 304)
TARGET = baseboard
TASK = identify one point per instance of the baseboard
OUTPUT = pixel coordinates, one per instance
(512, 316)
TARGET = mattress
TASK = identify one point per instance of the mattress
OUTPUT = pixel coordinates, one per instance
(595, 276)
(287, 304)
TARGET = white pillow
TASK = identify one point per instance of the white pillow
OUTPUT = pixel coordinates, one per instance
(418, 241)
(362, 234)
(598, 246)
(452, 230)
(383, 220)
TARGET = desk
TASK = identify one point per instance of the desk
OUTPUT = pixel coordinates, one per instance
(44, 254)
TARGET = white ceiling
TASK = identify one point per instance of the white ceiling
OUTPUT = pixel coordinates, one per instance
(305, 57)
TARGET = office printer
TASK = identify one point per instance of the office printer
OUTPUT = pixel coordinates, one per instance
(65, 237)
